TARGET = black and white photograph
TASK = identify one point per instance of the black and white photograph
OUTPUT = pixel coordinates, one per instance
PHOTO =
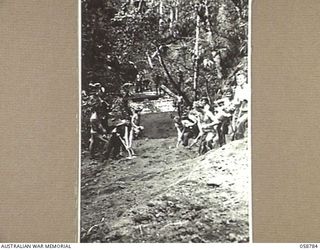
(165, 121)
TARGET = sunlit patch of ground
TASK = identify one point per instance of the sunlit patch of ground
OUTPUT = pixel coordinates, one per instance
(167, 194)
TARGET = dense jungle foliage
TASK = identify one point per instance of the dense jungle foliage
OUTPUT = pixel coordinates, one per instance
(193, 47)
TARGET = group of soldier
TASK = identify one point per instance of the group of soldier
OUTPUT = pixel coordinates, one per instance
(205, 123)
(211, 123)
(113, 134)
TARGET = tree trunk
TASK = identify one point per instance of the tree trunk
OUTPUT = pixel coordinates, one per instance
(217, 59)
(161, 8)
(149, 60)
(208, 25)
(161, 21)
(130, 4)
(208, 92)
(177, 10)
(215, 54)
(140, 6)
(196, 58)
(171, 20)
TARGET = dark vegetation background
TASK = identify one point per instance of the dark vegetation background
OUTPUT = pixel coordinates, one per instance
(193, 47)
(167, 193)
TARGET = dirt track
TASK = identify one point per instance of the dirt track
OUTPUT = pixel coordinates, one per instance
(167, 195)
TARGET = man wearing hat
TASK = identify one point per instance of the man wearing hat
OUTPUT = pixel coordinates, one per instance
(135, 122)
(119, 138)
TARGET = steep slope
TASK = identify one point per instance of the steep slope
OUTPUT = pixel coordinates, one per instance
(168, 195)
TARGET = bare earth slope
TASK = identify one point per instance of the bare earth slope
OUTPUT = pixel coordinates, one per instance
(167, 195)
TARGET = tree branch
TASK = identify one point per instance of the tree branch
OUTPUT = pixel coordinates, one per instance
(172, 81)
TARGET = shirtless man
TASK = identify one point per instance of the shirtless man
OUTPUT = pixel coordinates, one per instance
(135, 122)
(119, 138)
(240, 101)
(187, 128)
(97, 131)
(207, 124)
(224, 116)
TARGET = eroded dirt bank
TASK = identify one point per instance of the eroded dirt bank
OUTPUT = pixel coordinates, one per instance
(167, 195)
